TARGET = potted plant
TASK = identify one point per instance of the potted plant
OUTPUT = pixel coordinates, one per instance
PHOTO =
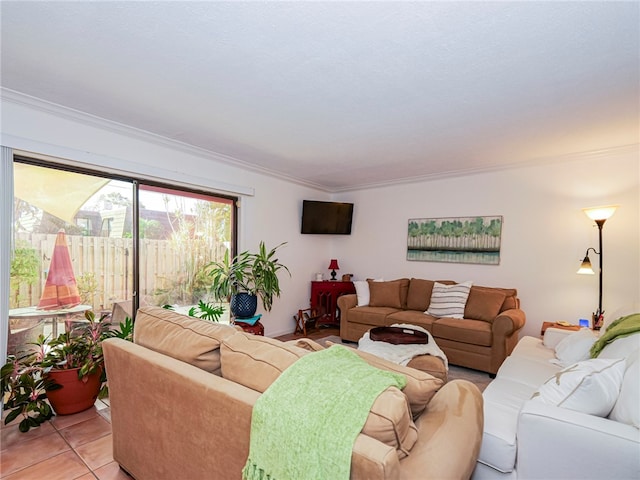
(244, 278)
(68, 372)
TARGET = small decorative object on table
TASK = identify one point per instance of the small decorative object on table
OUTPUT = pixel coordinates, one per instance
(251, 325)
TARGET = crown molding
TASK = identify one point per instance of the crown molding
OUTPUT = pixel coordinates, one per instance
(60, 111)
(74, 115)
(538, 161)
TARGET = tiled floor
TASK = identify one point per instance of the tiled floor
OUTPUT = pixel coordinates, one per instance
(66, 448)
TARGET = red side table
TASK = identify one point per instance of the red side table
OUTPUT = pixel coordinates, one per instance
(257, 328)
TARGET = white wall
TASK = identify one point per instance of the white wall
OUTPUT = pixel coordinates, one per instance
(545, 233)
(270, 210)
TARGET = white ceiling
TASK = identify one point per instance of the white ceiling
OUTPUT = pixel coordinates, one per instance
(342, 95)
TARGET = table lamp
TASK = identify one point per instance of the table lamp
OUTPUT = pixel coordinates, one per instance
(333, 266)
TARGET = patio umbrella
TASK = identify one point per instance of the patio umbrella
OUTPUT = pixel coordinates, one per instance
(60, 290)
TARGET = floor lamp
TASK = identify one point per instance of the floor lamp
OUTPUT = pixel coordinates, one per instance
(598, 215)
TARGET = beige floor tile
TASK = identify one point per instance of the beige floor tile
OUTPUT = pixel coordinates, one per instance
(97, 453)
(65, 466)
(10, 435)
(87, 431)
(30, 452)
(111, 471)
(63, 421)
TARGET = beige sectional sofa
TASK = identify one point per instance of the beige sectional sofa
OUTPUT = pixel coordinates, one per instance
(481, 340)
(183, 392)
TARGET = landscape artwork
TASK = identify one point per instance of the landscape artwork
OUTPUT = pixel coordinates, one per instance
(455, 240)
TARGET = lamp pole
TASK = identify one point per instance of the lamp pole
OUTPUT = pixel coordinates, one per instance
(599, 313)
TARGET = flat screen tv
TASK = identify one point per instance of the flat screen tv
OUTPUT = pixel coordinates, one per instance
(328, 218)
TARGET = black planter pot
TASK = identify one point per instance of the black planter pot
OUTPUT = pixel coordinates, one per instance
(243, 305)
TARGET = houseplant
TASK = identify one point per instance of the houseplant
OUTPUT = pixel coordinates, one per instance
(68, 371)
(247, 276)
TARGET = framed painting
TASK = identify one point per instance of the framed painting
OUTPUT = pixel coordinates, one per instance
(455, 240)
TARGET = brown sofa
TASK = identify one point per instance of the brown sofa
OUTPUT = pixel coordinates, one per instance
(481, 340)
(182, 395)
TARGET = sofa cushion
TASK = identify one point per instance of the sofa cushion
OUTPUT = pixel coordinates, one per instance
(390, 421)
(411, 317)
(484, 303)
(449, 300)
(503, 400)
(256, 361)
(627, 407)
(591, 386)
(376, 316)
(420, 388)
(188, 339)
(388, 294)
(419, 294)
(474, 332)
(574, 347)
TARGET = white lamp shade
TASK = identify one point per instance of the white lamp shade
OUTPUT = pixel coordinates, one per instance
(600, 213)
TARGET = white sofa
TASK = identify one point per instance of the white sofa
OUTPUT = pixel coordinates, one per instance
(532, 438)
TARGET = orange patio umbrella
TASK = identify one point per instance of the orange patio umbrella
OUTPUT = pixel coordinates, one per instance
(60, 290)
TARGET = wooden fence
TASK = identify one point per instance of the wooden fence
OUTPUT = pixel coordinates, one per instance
(103, 268)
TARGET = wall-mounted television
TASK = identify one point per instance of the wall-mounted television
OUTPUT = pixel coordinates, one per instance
(328, 218)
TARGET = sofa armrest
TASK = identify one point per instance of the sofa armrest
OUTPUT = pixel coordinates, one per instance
(449, 434)
(345, 302)
(555, 442)
(509, 321)
(172, 420)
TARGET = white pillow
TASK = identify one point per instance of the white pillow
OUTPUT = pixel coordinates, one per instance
(627, 408)
(362, 291)
(591, 386)
(449, 300)
(621, 347)
(574, 347)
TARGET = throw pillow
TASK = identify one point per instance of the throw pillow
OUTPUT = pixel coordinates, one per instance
(574, 347)
(255, 361)
(483, 304)
(362, 291)
(449, 300)
(420, 388)
(186, 338)
(627, 408)
(591, 386)
(385, 294)
(390, 422)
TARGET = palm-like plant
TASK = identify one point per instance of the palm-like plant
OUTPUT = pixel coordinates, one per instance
(252, 273)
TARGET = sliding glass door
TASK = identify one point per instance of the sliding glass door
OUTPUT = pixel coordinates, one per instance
(129, 243)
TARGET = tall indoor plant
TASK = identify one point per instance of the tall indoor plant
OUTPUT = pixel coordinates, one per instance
(247, 275)
(68, 371)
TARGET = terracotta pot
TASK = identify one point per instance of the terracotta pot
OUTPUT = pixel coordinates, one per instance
(75, 395)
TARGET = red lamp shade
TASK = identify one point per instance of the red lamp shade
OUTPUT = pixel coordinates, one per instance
(333, 266)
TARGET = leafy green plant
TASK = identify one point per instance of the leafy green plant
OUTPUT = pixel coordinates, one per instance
(204, 311)
(253, 273)
(25, 269)
(24, 380)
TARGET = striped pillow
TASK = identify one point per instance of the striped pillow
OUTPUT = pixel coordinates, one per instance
(449, 300)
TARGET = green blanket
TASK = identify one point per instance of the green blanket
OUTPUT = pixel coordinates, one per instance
(620, 328)
(305, 424)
